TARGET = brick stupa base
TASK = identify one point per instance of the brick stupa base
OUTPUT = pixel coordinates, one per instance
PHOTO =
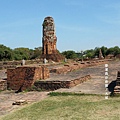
(22, 78)
(54, 57)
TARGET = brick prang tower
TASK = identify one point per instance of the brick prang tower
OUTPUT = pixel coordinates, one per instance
(49, 37)
(49, 40)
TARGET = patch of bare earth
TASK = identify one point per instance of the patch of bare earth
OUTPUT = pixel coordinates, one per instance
(7, 98)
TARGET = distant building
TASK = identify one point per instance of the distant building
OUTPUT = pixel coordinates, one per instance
(110, 56)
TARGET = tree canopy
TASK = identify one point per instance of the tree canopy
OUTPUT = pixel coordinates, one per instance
(70, 54)
(20, 53)
(5, 53)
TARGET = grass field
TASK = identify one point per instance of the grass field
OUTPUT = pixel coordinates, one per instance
(70, 107)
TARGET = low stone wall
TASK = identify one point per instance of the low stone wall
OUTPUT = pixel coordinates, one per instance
(75, 66)
(13, 64)
(24, 77)
(54, 85)
(3, 84)
(7, 67)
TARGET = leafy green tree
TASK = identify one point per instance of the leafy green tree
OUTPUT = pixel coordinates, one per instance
(70, 54)
(113, 50)
(110, 51)
(36, 52)
(21, 53)
(96, 51)
(5, 53)
(89, 53)
(104, 50)
(116, 50)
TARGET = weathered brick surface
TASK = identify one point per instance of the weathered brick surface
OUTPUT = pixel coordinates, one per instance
(75, 66)
(117, 87)
(49, 36)
(13, 64)
(49, 41)
(3, 85)
(53, 85)
(24, 77)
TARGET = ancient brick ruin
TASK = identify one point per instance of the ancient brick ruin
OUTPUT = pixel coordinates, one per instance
(49, 36)
(75, 66)
(117, 87)
(49, 40)
(57, 84)
(24, 77)
(100, 54)
(3, 85)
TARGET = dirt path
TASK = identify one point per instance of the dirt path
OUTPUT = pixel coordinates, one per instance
(8, 97)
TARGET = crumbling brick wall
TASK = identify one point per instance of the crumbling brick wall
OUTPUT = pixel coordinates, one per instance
(71, 67)
(49, 40)
(54, 85)
(24, 77)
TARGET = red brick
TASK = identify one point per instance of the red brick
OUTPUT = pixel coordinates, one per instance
(25, 76)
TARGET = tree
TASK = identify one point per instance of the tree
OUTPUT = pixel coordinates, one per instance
(110, 51)
(70, 54)
(36, 53)
(96, 51)
(116, 50)
(5, 53)
(21, 53)
(104, 50)
(89, 53)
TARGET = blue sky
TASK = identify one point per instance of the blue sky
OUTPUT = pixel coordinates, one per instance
(80, 24)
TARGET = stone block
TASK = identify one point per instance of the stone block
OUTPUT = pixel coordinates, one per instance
(24, 77)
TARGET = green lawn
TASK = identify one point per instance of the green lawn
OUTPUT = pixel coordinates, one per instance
(70, 107)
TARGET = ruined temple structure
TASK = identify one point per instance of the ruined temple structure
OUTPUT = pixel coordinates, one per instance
(49, 40)
(117, 84)
(100, 54)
